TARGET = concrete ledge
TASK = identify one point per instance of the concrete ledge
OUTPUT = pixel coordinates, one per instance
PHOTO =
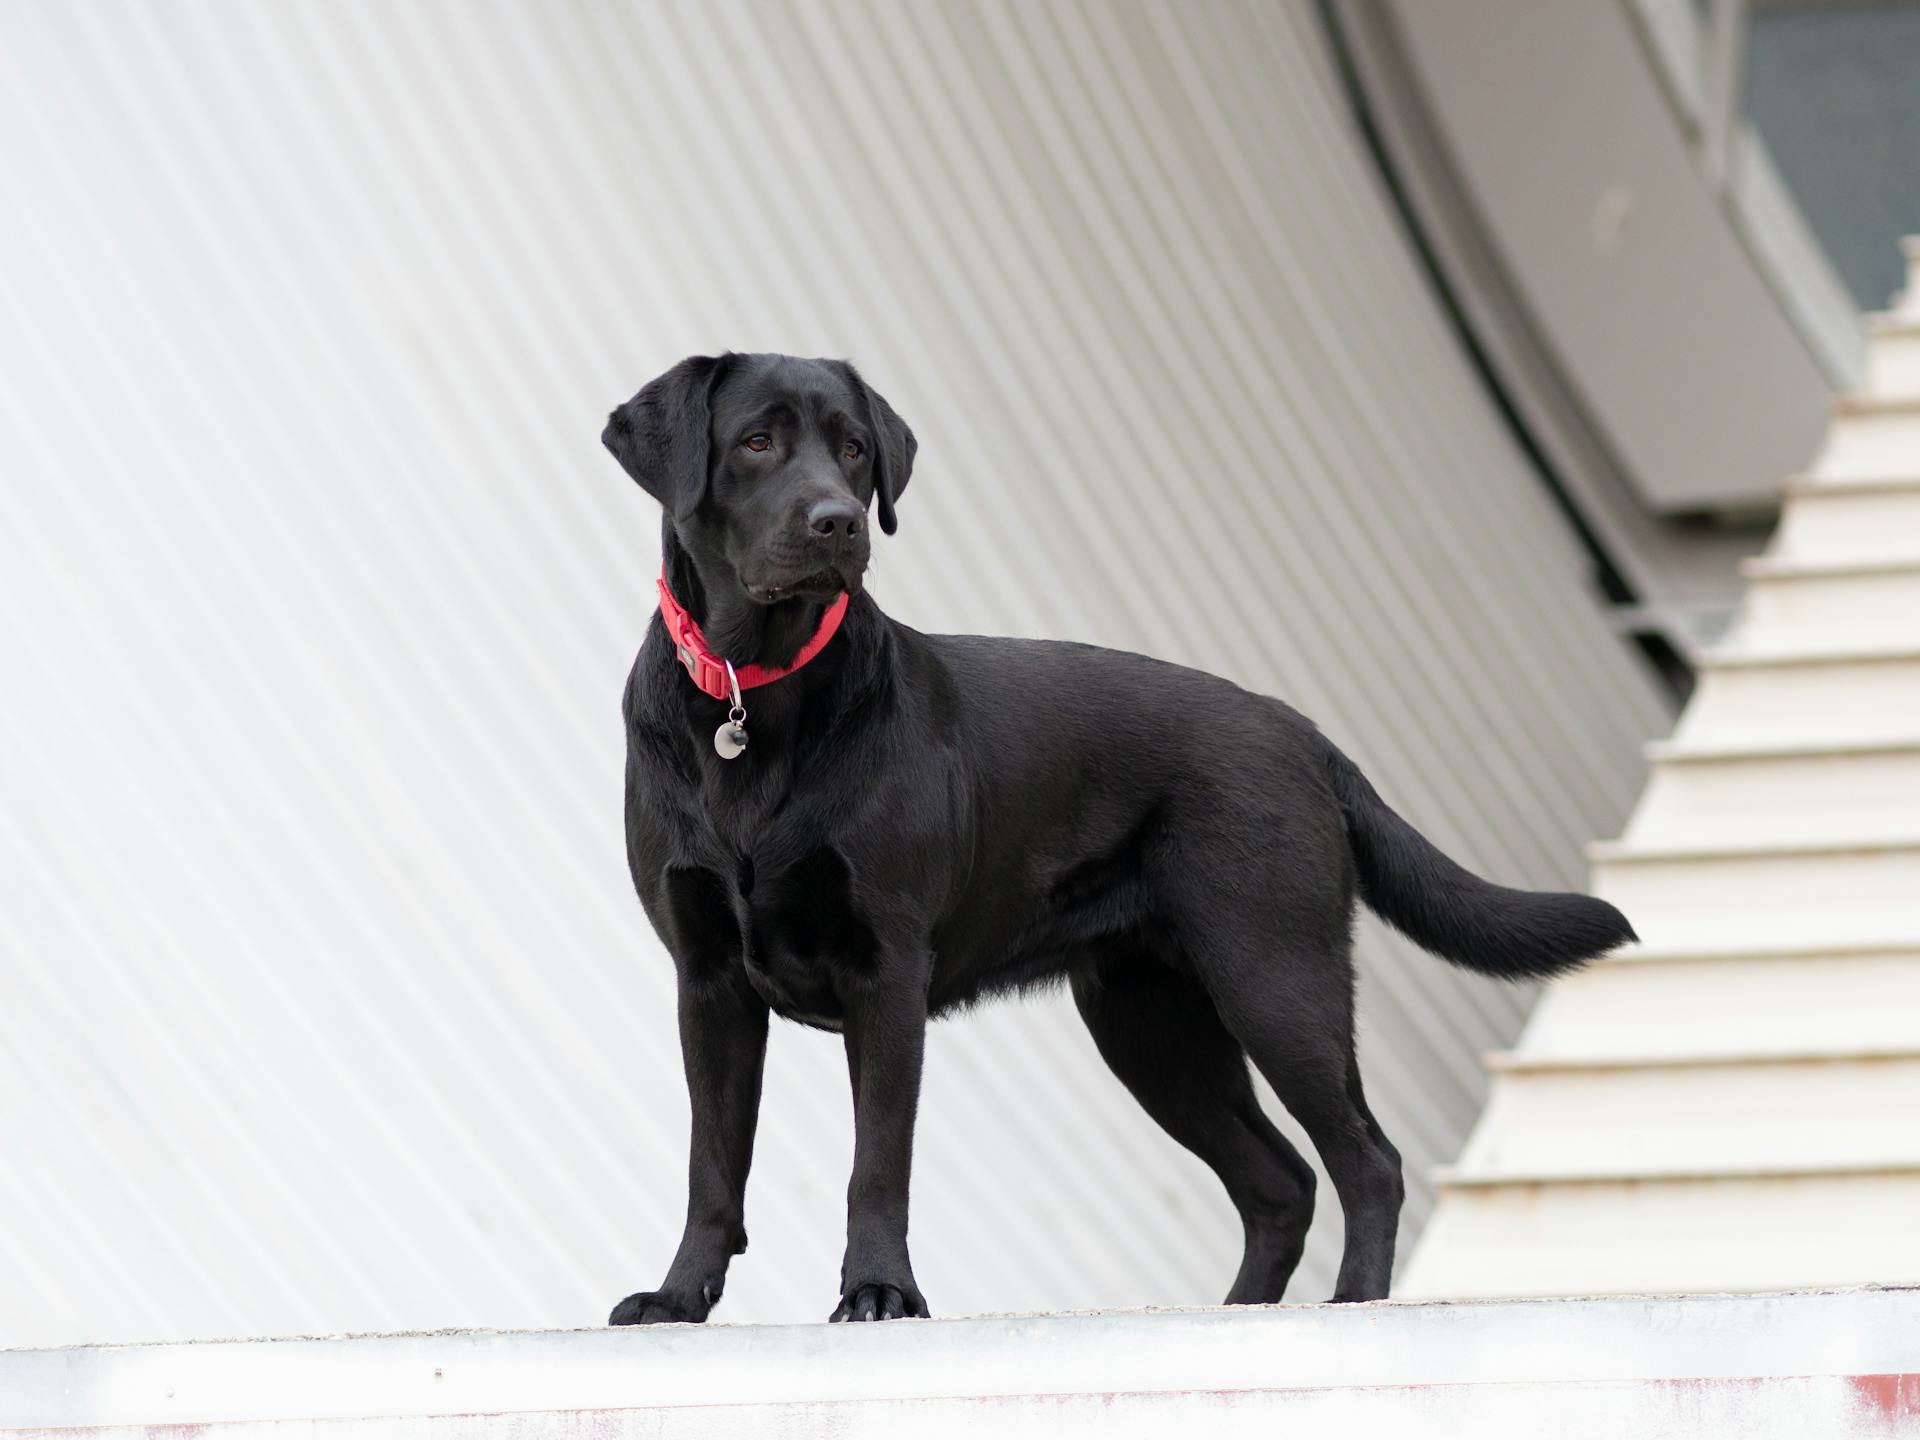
(1774, 569)
(1834, 1364)
(1737, 657)
(1855, 403)
(1805, 487)
(1450, 1177)
(1892, 946)
(1673, 752)
(1529, 1062)
(1622, 852)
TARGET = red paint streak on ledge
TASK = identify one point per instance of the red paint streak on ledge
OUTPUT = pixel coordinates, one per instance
(1895, 1396)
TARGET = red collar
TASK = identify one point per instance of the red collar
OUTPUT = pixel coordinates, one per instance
(709, 671)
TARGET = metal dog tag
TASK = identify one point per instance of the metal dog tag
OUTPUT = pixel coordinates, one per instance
(730, 740)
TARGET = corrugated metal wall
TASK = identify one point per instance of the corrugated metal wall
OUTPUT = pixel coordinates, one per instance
(326, 1003)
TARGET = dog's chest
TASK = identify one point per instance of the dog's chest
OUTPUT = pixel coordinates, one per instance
(795, 985)
(802, 939)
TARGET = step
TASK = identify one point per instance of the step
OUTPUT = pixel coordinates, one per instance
(1599, 1118)
(1649, 1005)
(1851, 894)
(1905, 306)
(1833, 694)
(1893, 359)
(1849, 520)
(1861, 602)
(1870, 436)
(1670, 1234)
(1772, 1367)
(1818, 793)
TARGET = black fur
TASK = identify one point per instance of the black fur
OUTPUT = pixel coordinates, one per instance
(923, 821)
(1510, 934)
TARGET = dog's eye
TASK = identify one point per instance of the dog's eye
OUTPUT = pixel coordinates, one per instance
(759, 442)
(853, 449)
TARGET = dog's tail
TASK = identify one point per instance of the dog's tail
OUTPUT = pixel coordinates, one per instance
(1512, 934)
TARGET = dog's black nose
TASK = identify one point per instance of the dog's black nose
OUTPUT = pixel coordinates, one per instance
(835, 517)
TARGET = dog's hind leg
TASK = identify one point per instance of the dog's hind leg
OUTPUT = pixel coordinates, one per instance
(1293, 1011)
(1160, 1035)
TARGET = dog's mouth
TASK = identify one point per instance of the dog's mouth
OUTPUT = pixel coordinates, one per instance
(823, 584)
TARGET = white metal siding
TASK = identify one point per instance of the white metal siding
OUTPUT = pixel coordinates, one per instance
(326, 1003)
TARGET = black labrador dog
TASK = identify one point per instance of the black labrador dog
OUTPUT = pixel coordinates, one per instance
(906, 824)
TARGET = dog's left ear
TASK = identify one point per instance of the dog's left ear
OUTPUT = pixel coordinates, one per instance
(662, 436)
(893, 450)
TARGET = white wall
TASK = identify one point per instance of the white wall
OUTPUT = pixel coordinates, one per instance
(324, 1002)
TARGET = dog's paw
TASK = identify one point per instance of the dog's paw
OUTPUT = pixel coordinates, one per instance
(881, 1300)
(661, 1307)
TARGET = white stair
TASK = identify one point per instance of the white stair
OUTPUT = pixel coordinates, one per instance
(1872, 437)
(1604, 1117)
(1832, 693)
(1893, 350)
(1893, 360)
(1839, 520)
(1867, 601)
(1636, 1235)
(1777, 794)
(1652, 1005)
(1838, 893)
(1735, 1104)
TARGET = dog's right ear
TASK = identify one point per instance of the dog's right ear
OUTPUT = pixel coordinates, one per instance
(661, 437)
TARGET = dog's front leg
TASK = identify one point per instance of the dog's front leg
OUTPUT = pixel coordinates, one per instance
(723, 1044)
(886, 1031)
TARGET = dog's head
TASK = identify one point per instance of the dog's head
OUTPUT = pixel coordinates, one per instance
(765, 465)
